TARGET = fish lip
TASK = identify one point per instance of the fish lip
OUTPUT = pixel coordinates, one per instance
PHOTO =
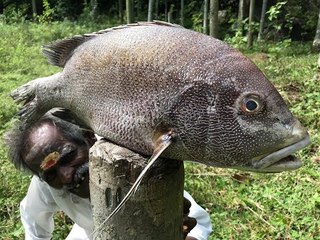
(282, 160)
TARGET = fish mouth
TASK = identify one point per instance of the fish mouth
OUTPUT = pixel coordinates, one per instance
(282, 160)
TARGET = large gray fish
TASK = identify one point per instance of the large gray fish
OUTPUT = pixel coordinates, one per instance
(159, 88)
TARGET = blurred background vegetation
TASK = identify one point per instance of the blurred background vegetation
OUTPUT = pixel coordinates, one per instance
(281, 37)
(271, 19)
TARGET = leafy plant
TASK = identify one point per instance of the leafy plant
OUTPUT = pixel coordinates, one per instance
(48, 12)
(12, 14)
(275, 10)
(238, 40)
(279, 22)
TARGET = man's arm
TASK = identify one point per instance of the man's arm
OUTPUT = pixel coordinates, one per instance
(203, 228)
(37, 210)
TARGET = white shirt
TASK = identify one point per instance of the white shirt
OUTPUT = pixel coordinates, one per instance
(42, 201)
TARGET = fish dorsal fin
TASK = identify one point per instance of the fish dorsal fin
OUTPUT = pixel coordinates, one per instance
(60, 51)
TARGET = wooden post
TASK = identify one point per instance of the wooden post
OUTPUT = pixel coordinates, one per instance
(155, 211)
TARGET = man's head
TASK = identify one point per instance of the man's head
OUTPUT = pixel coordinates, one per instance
(55, 150)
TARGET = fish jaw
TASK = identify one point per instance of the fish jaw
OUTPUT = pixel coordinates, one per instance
(282, 159)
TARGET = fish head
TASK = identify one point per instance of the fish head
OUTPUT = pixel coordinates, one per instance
(235, 118)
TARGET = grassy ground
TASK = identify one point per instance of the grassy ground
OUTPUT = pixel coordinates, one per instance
(242, 205)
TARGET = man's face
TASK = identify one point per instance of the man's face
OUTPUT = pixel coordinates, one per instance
(60, 162)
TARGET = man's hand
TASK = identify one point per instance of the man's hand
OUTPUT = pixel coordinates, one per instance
(188, 222)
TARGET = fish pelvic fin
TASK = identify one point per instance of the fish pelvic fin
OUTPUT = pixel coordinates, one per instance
(60, 51)
(67, 115)
(163, 142)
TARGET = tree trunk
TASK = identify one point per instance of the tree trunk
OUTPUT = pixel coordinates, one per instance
(154, 212)
(182, 12)
(34, 8)
(94, 6)
(214, 20)
(150, 11)
(316, 46)
(170, 13)
(129, 8)
(120, 11)
(166, 10)
(139, 12)
(205, 17)
(250, 30)
(316, 41)
(241, 15)
(262, 19)
(157, 9)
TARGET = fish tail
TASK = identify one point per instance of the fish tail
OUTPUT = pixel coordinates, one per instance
(28, 96)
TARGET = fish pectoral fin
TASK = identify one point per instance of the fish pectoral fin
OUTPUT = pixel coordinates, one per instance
(67, 115)
(162, 143)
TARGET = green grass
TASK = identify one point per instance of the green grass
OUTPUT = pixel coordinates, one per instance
(242, 205)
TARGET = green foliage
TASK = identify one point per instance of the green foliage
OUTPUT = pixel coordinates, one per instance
(279, 47)
(11, 14)
(197, 22)
(238, 40)
(277, 23)
(304, 15)
(194, 19)
(275, 10)
(48, 12)
(12, 190)
(241, 205)
(285, 19)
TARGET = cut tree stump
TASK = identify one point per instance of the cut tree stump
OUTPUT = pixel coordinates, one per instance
(154, 212)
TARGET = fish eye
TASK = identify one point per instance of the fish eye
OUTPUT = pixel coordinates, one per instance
(251, 104)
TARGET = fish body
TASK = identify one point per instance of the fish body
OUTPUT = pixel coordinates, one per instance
(132, 84)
